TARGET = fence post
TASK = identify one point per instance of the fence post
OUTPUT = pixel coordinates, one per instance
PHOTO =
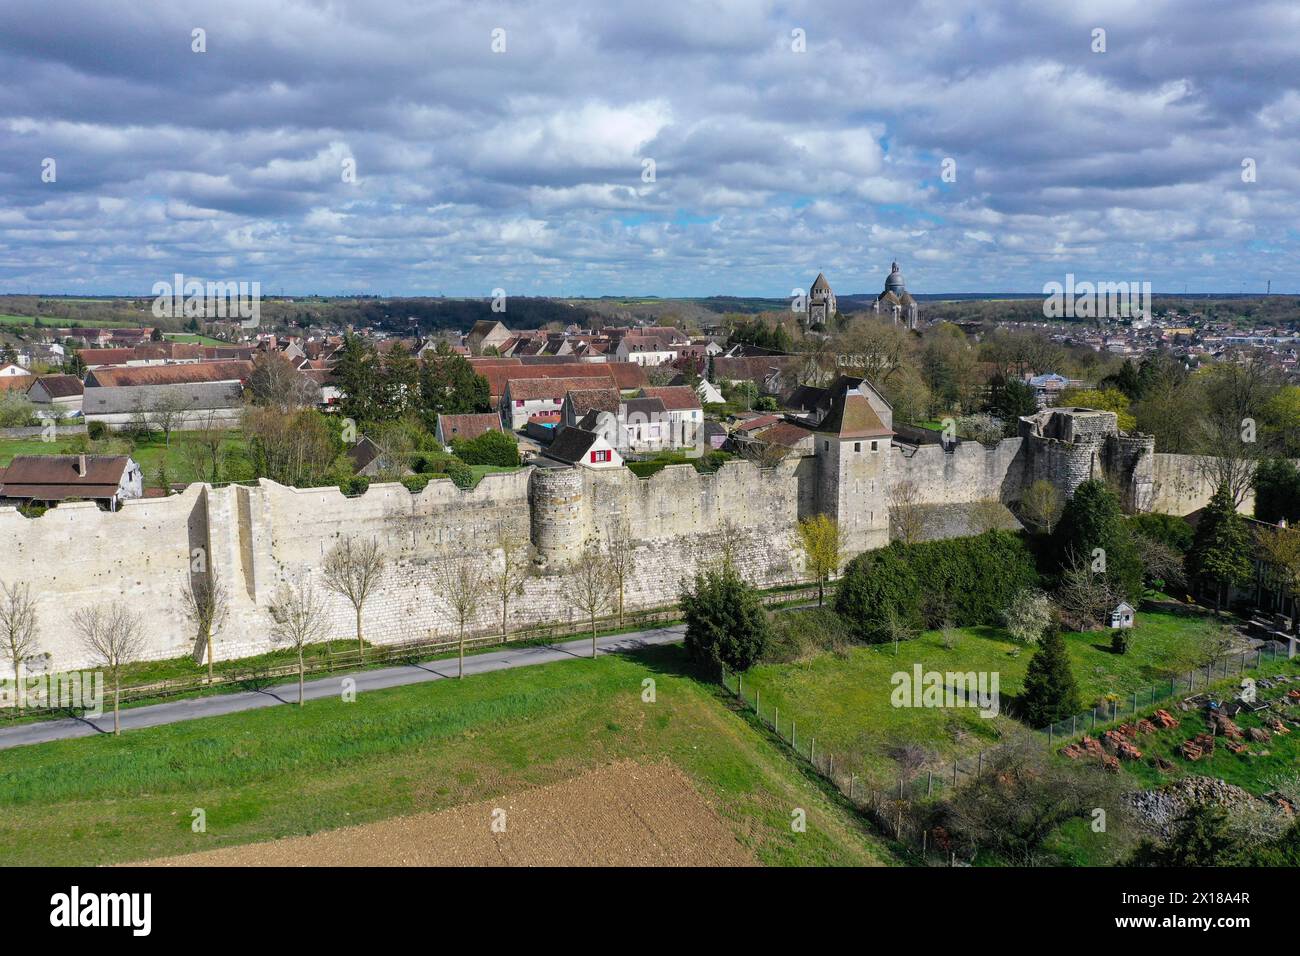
(776, 721)
(929, 782)
(793, 745)
(1074, 725)
(853, 779)
(1135, 703)
(1049, 736)
(954, 771)
(812, 752)
(740, 687)
(758, 710)
(979, 766)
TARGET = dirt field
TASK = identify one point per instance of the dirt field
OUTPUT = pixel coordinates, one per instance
(625, 814)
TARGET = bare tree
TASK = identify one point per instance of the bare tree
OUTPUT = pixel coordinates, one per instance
(17, 628)
(206, 446)
(621, 557)
(1085, 595)
(206, 605)
(352, 569)
(167, 413)
(1233, 397)
(113, 637)
(906, 513)
(462, 580)
(589, 584)
(987, 514)
(516, 565)
(1041, 504)
(299, 619)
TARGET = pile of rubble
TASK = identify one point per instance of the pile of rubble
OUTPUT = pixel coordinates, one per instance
(1159, 809)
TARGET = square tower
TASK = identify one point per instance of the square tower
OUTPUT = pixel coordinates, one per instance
(853, 449)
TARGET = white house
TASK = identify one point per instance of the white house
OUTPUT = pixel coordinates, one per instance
(1123, 615)
(577, 446)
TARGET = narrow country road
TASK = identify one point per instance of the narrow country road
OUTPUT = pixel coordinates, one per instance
(155, 715)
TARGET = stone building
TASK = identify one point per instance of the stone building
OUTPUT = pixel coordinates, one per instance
(896, 301)
(821, 302)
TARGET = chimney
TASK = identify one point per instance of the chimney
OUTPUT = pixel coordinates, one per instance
(81, 466)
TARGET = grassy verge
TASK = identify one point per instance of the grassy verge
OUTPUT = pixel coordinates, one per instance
(150, 453)
(287, 771)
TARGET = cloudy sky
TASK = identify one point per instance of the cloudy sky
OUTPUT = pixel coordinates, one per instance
(663, 147)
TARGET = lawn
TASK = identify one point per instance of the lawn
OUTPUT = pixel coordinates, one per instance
(843, 699)
(51, 322)
(192, 338)
(287, 771)
(149, 453)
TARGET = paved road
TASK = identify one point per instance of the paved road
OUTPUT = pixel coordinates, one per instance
(155, 715)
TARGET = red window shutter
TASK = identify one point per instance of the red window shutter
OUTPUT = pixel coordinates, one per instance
(593, 457)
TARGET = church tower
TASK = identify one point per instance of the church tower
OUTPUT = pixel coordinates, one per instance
(821, 302)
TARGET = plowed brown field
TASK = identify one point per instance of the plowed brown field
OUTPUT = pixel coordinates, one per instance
(623, 814)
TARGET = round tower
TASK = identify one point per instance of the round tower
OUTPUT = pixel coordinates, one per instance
(555, 495)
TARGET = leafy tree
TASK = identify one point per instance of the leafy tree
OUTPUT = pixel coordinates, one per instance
(1041, 504)
(449, 386)
(1106, 400)
(1093, 520)
(1277, 491)
(1028, 615)
(1126, 380)
(491, 448)
(1050, 692)
(1220, 554)
(1169, 530)
(400, 379)
(819, 537)
(726, 625)
(1009, 399)
(357, 373)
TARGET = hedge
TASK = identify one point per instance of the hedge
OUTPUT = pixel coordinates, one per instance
(967, 581)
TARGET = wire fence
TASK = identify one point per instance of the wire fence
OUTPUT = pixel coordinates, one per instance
(1177, 688)
(891, 807)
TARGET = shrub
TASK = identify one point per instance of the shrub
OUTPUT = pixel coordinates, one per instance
(1169, 530)
(1028, 615)
(461, 474)
(710, 462)
(415, 483)
(355, 485)
(799, 635)
(967, 581)
(766, 403)
(726, 624)
(490, 448)
(1119, 642)
(96, 431)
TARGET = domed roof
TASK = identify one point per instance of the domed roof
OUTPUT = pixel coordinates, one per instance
(894, 282)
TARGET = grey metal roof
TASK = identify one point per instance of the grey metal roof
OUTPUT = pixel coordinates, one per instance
(121, 400)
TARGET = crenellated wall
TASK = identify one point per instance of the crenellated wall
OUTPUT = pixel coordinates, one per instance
(257, 537)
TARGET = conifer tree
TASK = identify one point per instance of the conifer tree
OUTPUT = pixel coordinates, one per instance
(1220, 555)
(1050, 691)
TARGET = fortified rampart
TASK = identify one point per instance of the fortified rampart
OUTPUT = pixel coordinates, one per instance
(257, 537)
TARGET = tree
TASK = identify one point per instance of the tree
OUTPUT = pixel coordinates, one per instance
(294, 449)
(1011, 398)
(493, 447)
(1233, 397)
(1280, 549)
(1050, 693)
(1277, 491)
(1028, 615)
(205, 603)
(275, 382)
(461, 578)
(1041, 505)
(590, 584)
(906, 513)
(450, 386)
(1200, 838)
(516, 565)
(205, 447)
(299, 619)
(400, 379)
(620, 554)
(17, 628)
(819, 536)
(1086, 596)
(113, 638)
(1092, 527)
(726, 625)
(352, 570)
(357, 373)
(167, 413)
(1220, 554)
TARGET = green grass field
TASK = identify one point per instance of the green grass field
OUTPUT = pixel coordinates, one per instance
(284, 771)
(192, 338)
(149, 453)
(844, 698)
(50, 322)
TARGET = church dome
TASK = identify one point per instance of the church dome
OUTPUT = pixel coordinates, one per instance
(894, 283)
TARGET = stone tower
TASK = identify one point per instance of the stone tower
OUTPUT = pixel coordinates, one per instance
(821, 302)
(558, 525)
(1068, 446)
(852, 447)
